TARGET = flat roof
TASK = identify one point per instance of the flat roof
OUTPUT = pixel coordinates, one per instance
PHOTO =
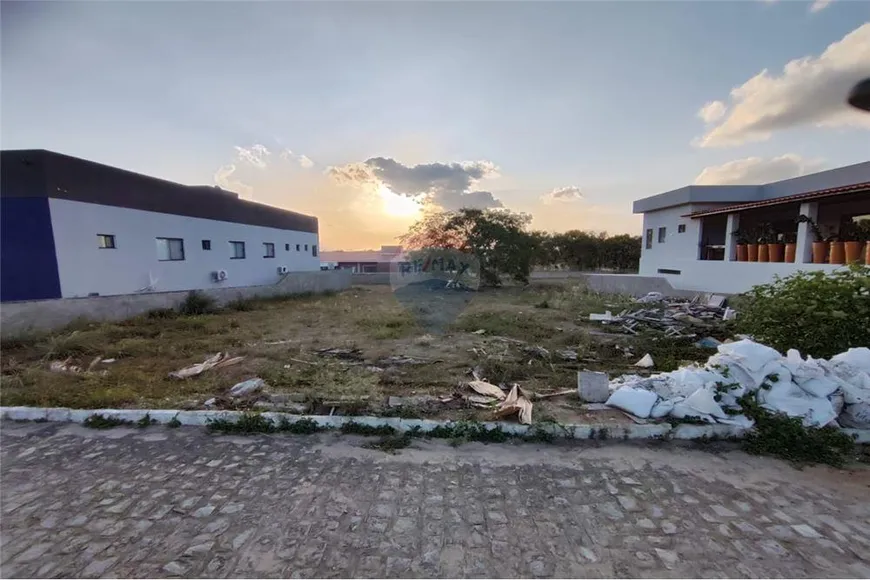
(42, 173)
(738, 194)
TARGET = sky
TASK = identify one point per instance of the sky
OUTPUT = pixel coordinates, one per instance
(366, 114)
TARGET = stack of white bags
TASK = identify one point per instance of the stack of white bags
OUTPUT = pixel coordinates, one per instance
(821, 392)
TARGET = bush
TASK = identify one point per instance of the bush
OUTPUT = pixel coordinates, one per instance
(241, 304)
(161, 314)
(196, 303)
(819, 314)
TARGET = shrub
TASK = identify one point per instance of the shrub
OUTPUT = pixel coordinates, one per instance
(241, 304)
(196, 303)
(161, 314)
(819, 314)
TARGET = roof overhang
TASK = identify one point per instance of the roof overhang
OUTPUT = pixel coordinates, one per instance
(801, 197)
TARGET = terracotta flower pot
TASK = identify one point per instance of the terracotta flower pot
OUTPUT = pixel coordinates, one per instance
(820, 252)
(742, 253)
(752, 252)
(763, 253)
(790, 253)
(775, 252)
(853, 252)
(867, 254)
(838, 253)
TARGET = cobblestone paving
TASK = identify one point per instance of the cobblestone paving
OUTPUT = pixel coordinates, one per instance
(161, 502)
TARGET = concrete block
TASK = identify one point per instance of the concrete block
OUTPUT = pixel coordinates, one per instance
(593, 387)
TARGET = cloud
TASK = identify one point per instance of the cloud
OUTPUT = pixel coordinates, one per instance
(304, 161)
(562, 194)
(223, 178)
(755, 170)
(819, 5)
(810, 91)
(255, 155)
(712, 111)
(448, 185)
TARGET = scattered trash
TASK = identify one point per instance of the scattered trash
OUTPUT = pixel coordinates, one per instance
(64, 366)
(816, 390)
(210, 403)
(481, 401)
(94, 363)
(479, 331)
(247, 387)
(539, 396)
(651, 297)
(538, 351)
(646, 362)
(108, 361)
(567, 354)
(708, 342)
(401, 360)
(593, 387)
(374, 369)
(673, 316)
(220, 360)
(515, 402)
(487, 389)
(341, 353)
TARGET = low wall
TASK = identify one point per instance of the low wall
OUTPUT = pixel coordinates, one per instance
(372, 278)
(18, 318)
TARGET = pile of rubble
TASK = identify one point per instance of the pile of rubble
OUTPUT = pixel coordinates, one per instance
(821, 392)
(675, 317)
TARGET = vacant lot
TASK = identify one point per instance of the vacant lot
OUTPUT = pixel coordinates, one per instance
(446, 333)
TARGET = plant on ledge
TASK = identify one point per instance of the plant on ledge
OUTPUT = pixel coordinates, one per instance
(817, 232)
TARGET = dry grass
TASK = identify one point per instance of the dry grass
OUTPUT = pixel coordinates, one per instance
(278, 338)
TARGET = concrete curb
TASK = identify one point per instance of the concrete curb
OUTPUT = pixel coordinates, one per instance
(581, 431)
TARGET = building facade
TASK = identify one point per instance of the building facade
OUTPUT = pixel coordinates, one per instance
(363, 261)
(692, 235)
(74, 228)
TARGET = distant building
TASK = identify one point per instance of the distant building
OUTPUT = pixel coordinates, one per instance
(365, 261)
(692, 235)
(73, 228)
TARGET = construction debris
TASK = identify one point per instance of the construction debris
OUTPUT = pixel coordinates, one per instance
(487, 389)
(567, 354)
(481, 401)
(515, 402)
(220, 360)
(593, 387)
(675, 317)
(540, 396)
(65, 366)
(354, 354)
(401, 360)
(247, 387)
(412, 401)
(646, 362)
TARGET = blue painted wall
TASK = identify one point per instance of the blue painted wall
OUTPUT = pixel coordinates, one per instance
(28, 263)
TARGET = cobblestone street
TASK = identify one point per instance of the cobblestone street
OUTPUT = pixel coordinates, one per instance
(160, 502)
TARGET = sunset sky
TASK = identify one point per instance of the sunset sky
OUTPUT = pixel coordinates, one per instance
(365, 113)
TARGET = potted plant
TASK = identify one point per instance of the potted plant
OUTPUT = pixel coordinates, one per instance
(764, 238)
(775, 246)
(853, 238)
(820, 246)
(742, 243)
(837, 250)
(790, 239)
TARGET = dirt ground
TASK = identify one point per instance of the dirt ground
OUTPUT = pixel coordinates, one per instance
(447, 333)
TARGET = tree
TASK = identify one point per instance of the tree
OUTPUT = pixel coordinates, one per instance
(497, 238)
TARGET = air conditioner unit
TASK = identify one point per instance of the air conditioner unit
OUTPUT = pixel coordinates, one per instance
(283, 270)
(219, 275)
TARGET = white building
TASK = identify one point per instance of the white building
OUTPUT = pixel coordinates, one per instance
(73, 228)
(691, 234)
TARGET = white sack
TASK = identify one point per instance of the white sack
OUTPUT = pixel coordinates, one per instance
(638, 402)
(751, 355)
(703, 402)
(663, 408)
(683, 411)
(856, 416)
(738, 420)
(856, 357)
(790, 399)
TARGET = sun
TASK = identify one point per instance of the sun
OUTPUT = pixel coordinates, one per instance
(398, 205)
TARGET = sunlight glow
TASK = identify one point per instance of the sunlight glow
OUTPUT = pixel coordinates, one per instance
(398, 205)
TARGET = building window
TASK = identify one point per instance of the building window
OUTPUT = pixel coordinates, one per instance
(170, 249)
(297, 247)
(314, 250)
(663, 232)
(106, 241)
(681, 229)
(206, 244)
(268, 250)
(306, 247)
(668, 271)
(649, 234)
(286, 247)
(237, 250)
